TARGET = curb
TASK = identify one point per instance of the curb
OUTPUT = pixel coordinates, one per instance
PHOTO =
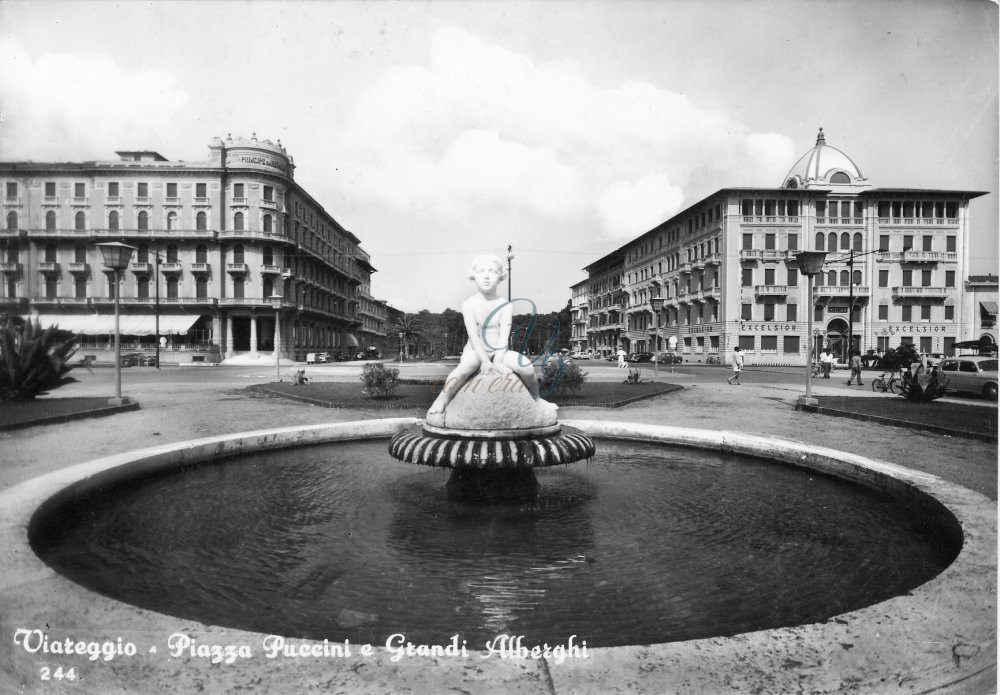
(67, 417)
(935, 429)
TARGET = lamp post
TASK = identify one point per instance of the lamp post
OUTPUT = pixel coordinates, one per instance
(276, 303)
(156, 306)
(850, 296)
(510, 257)
(116, 256)
(657, 304)
(401, 347)
(810, 263)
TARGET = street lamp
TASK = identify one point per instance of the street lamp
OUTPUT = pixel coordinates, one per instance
(657, 304)
(510, 257)
(276, 303)
(116, 256)
(810, 263)
(401, 347)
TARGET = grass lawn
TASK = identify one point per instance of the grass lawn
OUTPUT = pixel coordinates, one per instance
(956, 416)
(16, 413)
(421, 395)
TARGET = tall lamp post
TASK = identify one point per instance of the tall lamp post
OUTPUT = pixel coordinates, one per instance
(510, 257)
(116, 256)
(276, 303)
(657, 304)
(810, 263)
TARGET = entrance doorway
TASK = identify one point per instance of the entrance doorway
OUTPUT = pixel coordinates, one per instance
(241, 333)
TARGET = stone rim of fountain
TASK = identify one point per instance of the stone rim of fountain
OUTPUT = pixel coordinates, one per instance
(911, 638)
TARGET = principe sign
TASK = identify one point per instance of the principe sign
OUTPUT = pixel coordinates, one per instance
(242, 157)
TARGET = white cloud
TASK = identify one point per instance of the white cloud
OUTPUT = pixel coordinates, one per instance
(478, 125)
(66, 107)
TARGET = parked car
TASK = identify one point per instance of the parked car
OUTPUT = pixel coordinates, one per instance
(640, 357)
(581, 355)
(934, 358)
(317, 357)
(130, 359)
(669, 358)
(971, 374)
(148, 361)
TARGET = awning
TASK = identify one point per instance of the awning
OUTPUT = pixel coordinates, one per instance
(104, 324)
(351, 341)
(989, 307)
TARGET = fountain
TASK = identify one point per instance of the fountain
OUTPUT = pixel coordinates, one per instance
(489, 423)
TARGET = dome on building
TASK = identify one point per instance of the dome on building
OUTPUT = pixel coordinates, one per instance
(825, 167)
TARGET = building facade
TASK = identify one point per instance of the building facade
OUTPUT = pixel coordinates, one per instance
(727, 271)
(578, 315)
(605, 303)
(981, 298)
(221, 248)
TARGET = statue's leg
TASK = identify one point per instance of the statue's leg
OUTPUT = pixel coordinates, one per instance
(524, 370)
(468, 366)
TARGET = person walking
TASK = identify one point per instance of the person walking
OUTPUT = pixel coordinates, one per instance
(855, 357)
(826, 362)
(621, 359)
(737, 361)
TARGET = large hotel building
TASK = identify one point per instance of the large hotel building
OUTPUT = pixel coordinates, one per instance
(727, 272)
(216, 244)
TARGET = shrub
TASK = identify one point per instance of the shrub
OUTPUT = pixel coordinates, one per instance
(560, 377)
(926, 385)
(379, 381)
(33, 361)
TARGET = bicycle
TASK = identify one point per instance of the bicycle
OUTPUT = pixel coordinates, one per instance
(894, 383)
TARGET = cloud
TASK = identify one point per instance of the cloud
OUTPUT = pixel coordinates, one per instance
(480, 125)
(67, 107)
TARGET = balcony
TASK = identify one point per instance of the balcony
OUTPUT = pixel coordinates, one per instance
(141, 268)
(80, 201)
(171, 268)
(237, 268)
(918, 221)
(713, 259)
(203, 202)
(844, 221)
(773, 255)
(240, 202)
(765, 290)
(49, 268)
(921, 292)
(270, 269)
(273, 205)
(770, 219)
(711, 293)
(172, 201)
(911, 256)
(202, 268)
(78, 268)
(752, 255)
(685, 268)
(113, 201)
(10, 268)
(840, 291)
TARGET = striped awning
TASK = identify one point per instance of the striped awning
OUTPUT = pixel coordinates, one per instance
(104, 324)
(989, 307)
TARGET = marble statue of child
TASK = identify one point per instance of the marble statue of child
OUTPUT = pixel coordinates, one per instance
(490, 356)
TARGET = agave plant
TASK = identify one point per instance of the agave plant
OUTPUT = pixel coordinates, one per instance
(924, 386)
(33, 360)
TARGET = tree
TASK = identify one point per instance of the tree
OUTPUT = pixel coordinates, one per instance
(411, 329)
(32, 360)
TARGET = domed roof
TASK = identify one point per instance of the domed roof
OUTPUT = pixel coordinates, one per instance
(824, 166)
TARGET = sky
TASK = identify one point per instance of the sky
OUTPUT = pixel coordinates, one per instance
(435, 130)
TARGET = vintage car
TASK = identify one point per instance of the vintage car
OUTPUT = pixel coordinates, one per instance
(971, 374)
(669, 358)
(640, 357)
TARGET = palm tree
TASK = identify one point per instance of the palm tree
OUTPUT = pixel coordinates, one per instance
(410, 328)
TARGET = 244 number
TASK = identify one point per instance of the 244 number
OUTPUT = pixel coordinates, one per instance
(60, 674)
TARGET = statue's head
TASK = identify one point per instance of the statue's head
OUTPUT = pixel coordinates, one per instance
(485, 259)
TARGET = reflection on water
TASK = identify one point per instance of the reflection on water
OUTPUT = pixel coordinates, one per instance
(642, 544)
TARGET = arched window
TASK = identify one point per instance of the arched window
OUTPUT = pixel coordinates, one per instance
(831, 242)
(201, 287)
(820, 239)
(142, 286)
(50, 253)
(201, 253)
(238, 222)
(840, 177)
(267, 224)
(238, 254)
(12, 220)
(201, 221)
(845, 241)
(80, 253)
(143, 254)
(844, 278)
(856, 277)
(172, 253)
(172, 285)
(80, 220)
(831, 278)
(857, 242)
(237, 287)
(50, 221)
(143, 221)
(268, 255)
(171, 220)
(113, 220)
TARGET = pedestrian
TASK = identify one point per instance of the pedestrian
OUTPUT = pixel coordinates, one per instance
(826, 362)
(855, 357)
(621, 359)
(737, 361)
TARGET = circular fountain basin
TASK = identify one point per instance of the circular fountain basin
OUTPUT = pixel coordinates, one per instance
(931, 637)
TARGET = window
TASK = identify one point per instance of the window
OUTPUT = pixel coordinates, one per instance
(238, 254)
(747, 241)
(746, 312)
(50, 189)
(748, 277)
(926, 344)
(201, 254)
(171, 190)
(949, 278)
(907, 242)
(928, 242)
(80, 288)
(840, 177)
(769, 311)
(238, 190)
(746, 342)
(113, 220)
(80, 221)
(768, 241)
(793, 242)
(51, 288)
(883, 343)
(769, 343)
(172, 284)
(818, 312)
(791, 344)
(769, 276)
(925, 312)
(858, 242)
(142, 287)
(12, 220)
(820, 241)
(50, 253)
(951, 244)
(949, 312)
(267, 224)
(792, 312)
(793, 277)
(201, 190)
(267, 254)
(845, 278)
(201, 221)
(907, 312)
(79, 190)
(820, 208)
(831, 242)
(845, 242)
(143, 220)
(172, 253)
(267, 288)
(143, 254)
(112, 189)
(856, 277)
(171, 220)
(907, 278)
(201, 287)
(269, 193)
(831, 278)
(238, 222)
(883, 242)
(925, 278)
(142, 190)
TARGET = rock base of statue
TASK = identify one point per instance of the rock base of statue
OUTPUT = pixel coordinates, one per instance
(493, 439)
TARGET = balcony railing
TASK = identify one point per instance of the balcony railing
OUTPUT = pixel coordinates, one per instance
(201, 268)
(911, 256)
(10, 268)
(237, 268)
(770, 219)
(840, 291)
(905, 292)
(713, 259)
(48, 267)
(847, 221)
(773, 255)
(925, 221)
(171, 267)
(140, 267)
(80, 268)
(761, 290)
